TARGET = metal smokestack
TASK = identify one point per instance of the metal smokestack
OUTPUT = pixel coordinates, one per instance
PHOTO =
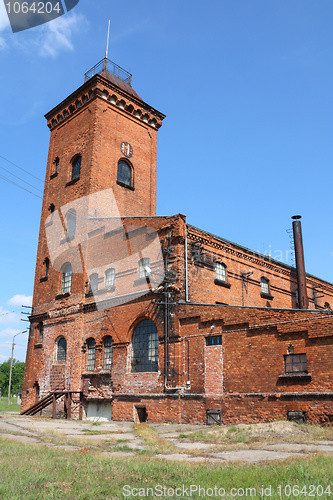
(303, 300)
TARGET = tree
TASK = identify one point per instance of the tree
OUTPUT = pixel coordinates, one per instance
(17, 376)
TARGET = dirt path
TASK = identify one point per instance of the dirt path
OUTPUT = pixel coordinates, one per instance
(193, 443)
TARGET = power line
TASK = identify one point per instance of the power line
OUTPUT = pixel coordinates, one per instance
(40, 180)
(9, 312)
(17, 177)
(12, 182)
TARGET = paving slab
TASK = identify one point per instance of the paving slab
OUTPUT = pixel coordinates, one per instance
(300, 447)
(253, 456)
(194, 445)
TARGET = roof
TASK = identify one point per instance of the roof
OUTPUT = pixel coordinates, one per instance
(119, 83)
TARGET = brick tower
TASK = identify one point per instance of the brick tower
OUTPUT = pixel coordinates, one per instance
(103, 136)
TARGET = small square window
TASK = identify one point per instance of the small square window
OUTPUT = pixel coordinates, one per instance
(295, 364)
(214, 340)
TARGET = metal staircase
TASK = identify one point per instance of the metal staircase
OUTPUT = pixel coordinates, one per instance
(43, 403)
(51, 398)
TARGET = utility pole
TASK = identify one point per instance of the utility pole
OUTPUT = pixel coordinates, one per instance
(11, 366)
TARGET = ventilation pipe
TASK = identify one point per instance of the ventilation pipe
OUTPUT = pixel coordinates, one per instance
(303, 301)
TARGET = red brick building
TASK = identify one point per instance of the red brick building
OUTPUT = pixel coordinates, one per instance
(142, 317)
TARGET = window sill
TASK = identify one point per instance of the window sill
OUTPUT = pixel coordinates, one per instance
(222, 283)
(73, 181)
(107, 289)
(52, 176)
(44, 278)
(62, 295)
(67, 240)
(125, 185)
(39, 345)
(95, 373)
(141, 281)
(304, 377)
(267, 296)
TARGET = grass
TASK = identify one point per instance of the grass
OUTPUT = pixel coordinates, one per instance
(265, 433)
(36, 472)
(151, 438)
(13, 405)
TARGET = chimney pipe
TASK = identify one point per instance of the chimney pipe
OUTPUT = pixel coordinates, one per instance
(303, 301)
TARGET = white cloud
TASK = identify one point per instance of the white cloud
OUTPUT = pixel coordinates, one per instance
(57, 35)
(8, 317)
(19, 300)
(9, 332)
(47, 40)
(4, 23)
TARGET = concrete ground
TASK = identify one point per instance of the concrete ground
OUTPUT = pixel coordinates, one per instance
(174, 441)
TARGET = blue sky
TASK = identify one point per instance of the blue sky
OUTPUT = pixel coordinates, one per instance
(247, 89)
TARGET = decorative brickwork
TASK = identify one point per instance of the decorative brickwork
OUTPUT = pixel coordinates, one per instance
(242, 376)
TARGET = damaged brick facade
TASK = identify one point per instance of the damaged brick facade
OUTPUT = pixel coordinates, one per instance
(224, 335)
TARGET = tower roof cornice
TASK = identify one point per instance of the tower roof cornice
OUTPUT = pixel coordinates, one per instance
(114, 90)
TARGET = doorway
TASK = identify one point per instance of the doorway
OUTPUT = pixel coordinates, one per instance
(141, 413)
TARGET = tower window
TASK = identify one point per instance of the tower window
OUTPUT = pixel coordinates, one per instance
(46, 264)
(220, 271)
(145, 347)
(66, 283)
(91, 344)
(61, 346)
(110, 275)
(76, 168)
(124, 174)
(144, 268)
(108, 353)
(40, 332)
(70, 223)
(56, 165)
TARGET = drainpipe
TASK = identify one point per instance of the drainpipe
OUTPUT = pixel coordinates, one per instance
(303, 300)
(186, 266)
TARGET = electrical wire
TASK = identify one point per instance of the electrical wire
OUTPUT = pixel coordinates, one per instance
(21, 187)
(22, 180)
(40, 180)
(8, 312)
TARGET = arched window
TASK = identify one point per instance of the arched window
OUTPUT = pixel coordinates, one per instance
(70, 223)
(41, 332)
(110, 275)
(76, 168)
(327, 305)
(91, 345)
(66, 282)
(220, 271)
(264, 286)
(46, 264)
(56, 165)
(144, 268)
(61, 345)
(108, 353)
(93, 282)
(145, 347)
(124, 174)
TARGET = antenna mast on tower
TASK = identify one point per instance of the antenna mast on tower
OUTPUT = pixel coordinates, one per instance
(107, 46)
